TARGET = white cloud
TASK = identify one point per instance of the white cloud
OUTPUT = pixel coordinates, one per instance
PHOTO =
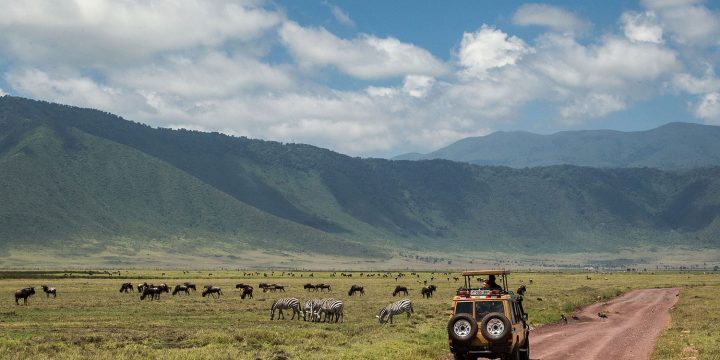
(554, 17)
(590, 106)
(2, 93)
(212, 75)
(694, 85)
(489, 48)
(642, 27)
(689, 22)
(110, 32)
(366, 57)
(614, 63)
(418, 86)
(67, 89)
(341, 16)
(708, 108)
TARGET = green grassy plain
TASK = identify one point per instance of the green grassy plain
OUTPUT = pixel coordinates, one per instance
(91, 319)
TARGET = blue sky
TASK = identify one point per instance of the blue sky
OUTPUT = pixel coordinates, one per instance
(370, 78)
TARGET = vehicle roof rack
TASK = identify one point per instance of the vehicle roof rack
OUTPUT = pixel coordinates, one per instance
(486, 272)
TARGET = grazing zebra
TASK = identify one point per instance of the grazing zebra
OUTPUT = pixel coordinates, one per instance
(49, 290)
(354, 289)
(400, 289)
(285, 303)
(24, 294)
(395, 308)
(179, 288)
(212, 291)
(309, 309)
(331, 308)
(127, 286)
(427, 291)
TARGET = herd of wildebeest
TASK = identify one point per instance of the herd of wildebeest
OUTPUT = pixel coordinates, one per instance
(316, 310)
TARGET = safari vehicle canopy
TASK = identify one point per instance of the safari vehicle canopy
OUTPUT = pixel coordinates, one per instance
(501, 273)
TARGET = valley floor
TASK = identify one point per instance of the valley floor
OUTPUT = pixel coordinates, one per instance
(90, 318)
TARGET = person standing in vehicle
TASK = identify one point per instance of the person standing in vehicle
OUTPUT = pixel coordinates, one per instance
(490, 284)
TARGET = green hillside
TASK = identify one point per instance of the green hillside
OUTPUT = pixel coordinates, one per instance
(84, 181)
(672, 146)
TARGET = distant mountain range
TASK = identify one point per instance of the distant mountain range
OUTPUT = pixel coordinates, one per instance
(672, 146)
(85, 182)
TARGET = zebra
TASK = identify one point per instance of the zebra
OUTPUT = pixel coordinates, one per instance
(395, 308)
(285, 303)
(331, 308)
(309, 309)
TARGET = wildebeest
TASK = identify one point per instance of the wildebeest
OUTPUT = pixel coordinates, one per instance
(49, 290)
(127, 286)
(309, 287)
(163, 288)
(273, 288)
(190, 286)
(212, 291)
(24, 294)
(322, 287)
(179, 288)
(356, 288)
(400, 289)
(141, 287)
(247, 292)
(151, 291)
(427, 291)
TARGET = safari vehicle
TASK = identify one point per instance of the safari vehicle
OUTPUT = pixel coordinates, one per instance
(488, 323)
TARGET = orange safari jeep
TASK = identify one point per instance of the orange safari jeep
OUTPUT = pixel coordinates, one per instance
(488, 322)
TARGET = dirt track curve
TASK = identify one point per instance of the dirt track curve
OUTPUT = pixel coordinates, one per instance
(629, 331)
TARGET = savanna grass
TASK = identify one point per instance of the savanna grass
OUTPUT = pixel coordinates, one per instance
(91, 319)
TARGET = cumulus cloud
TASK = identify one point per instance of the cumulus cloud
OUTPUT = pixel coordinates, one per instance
(553, 17)
(611, 64)
(341, 16)
(689, 22)
(697, 85)
(708, 108)
(590, 106)
(489, 48)
(92, 32)
(642, 27)
(366, 57)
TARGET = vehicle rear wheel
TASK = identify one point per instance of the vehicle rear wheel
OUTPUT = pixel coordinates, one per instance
(495, 327)
(462, 328)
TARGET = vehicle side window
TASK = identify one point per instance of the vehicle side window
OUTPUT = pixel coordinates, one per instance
(463, 307)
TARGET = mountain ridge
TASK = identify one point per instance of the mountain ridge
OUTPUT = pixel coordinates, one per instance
(674, 145)
(94, 181)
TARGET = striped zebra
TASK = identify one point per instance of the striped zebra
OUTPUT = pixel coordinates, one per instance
(310, 309)
(285, 303)
(331, 308)
(395, 308)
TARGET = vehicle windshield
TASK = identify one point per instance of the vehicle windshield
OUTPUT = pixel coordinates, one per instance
(483, 308)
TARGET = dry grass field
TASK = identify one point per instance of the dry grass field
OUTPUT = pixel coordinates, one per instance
(90, 318)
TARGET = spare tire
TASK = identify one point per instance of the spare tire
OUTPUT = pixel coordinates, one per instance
(495, 327)
(462, 328)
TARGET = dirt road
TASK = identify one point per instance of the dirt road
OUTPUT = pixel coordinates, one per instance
(629, 331)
